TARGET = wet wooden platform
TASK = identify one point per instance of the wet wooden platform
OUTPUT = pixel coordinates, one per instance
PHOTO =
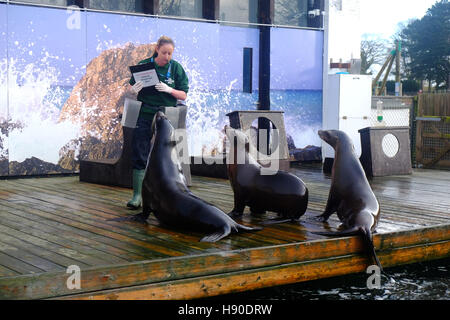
(48, 224)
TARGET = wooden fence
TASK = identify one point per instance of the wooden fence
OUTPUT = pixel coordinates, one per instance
(433, 130)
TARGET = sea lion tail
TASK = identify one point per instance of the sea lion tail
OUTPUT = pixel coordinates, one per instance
(368, 239)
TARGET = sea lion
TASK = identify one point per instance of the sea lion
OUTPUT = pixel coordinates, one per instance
(165, 193)
(282, 192)
(351, 196)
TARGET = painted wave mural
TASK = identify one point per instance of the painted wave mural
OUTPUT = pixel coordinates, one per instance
(64, 75)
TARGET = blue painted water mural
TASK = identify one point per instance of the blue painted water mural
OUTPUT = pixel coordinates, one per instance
(302, 114)
(207, 116)
(46, 58)
(207, 113)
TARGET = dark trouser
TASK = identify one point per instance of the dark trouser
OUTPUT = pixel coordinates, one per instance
(142, 135)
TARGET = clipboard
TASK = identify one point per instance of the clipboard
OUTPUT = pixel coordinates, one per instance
(146, 73)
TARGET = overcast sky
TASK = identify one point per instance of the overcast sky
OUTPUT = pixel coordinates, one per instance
(382, 16)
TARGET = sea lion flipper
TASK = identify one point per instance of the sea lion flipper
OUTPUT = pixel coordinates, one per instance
(348, 232)
(216, 236)
(246, 228)
(330, 208)
(321, 218)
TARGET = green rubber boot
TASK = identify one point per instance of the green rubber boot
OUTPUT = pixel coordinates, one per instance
(136, 201)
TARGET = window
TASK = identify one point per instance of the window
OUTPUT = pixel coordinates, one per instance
(51, 2)
(117, 5)
(239, 10)
(291, 13)
(181, 8)
(247, 73)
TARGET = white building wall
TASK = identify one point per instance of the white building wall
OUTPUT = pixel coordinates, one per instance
(344, 38)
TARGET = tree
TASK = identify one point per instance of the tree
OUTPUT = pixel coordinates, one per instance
(170, 7)
(373, 52)
(288, 12)
(426, 46)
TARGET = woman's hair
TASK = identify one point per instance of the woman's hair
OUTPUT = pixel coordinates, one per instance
(165, 40)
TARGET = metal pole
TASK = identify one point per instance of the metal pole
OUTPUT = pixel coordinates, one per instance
(265, 16)
(398, 81)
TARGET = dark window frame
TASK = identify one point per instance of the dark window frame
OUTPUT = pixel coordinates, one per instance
(210, 11)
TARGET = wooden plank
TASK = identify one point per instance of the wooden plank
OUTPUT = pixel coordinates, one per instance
(208, 286)
(161, 239)
(262, 243)
(116, 276)
(6, 272)
(17, 265)
(147, 233)
(419, 140)
(55, 242)
(74, 190)
(443, 164)
(70, 234)
(79, 209)
(112, 245)
(93, 217)
(325, 200)
(13, 249)
(137, 246)
(57, 255)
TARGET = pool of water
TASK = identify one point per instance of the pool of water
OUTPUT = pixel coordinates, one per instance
(420, 281)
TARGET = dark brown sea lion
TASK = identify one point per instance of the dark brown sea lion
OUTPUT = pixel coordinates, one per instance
(165, 193)
(351, 196)
(282, 192)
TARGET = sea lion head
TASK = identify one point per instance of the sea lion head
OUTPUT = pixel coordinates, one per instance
(241, 137)
(237, 139)
(335, 138)
(239, 143)
(329, 136)
(159, 116)
(162, 126)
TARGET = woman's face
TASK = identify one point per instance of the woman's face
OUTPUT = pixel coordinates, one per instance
(164, 54)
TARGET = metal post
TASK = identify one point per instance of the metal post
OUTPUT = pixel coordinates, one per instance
(210, 9)
(78, 3)
(398, 80)
(265, 16)
(151, 6)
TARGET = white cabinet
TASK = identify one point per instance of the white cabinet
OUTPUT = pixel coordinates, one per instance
(347, 107)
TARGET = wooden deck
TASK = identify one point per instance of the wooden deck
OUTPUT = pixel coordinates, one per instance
(48, 224)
